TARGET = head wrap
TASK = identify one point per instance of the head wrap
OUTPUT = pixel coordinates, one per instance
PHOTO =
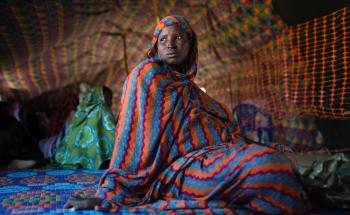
(191, 64)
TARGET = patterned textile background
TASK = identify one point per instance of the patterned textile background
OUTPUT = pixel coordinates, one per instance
(246, 53)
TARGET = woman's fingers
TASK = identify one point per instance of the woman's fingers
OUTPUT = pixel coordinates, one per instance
(77, 202)
(68, 205)
(82, 206)
(99, 208)
(77, 196)
(73, 201)
(77, 205)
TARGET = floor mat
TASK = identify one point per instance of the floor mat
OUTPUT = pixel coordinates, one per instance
(45, 191)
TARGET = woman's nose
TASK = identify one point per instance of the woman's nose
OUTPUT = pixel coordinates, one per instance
(171, 44)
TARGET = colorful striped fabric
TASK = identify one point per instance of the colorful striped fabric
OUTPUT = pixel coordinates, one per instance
(178, 150)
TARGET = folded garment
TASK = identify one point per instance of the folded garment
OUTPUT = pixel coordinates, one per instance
(325, 184)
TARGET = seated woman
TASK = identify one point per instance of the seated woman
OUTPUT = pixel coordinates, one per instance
(87, 139)
(178, 149)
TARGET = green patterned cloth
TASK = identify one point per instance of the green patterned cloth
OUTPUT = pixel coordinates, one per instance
(89, 136)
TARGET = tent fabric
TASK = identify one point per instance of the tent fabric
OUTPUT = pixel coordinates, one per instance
(246, 52)
(47, 45)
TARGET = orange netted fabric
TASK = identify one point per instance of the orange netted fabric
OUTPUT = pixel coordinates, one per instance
(305, 67)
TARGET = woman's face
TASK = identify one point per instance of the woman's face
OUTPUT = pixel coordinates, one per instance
(173, 45)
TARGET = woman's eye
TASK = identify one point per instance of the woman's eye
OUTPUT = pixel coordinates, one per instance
(179, 37)
(162, 39)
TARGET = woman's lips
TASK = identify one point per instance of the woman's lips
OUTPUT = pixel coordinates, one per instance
(171, 55)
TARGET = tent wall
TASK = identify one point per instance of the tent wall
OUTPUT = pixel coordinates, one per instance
(246, 54)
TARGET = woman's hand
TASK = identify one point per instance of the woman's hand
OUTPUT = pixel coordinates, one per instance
(78, 202)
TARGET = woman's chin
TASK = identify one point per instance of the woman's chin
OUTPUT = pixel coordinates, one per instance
(172, 62)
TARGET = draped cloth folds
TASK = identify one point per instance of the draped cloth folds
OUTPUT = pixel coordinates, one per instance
(178, 149)
(88, 137)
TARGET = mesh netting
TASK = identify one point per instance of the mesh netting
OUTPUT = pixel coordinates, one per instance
(305, 68)
(300, 74)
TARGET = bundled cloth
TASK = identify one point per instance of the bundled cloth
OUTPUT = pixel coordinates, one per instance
(325, 184)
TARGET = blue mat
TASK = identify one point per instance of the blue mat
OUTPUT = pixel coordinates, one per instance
(45, 191)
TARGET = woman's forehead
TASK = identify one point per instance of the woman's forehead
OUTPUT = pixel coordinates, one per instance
(172, 29)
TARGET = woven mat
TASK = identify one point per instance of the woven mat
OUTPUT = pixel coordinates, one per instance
(45, 191)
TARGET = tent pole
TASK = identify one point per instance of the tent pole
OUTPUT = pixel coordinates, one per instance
(125, 54)
(156, 10)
